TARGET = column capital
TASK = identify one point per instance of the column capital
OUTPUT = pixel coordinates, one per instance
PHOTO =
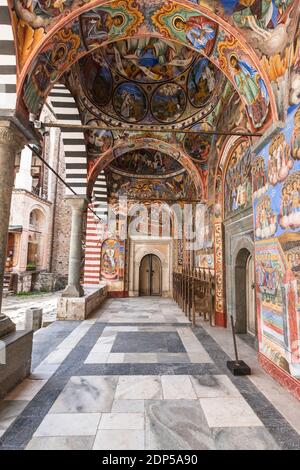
(77, 202)
(10, 135)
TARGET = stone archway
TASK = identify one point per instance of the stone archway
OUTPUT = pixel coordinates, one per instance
(143, 246)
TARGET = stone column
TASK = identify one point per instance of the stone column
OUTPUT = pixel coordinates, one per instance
(11, 141)
(23, 177)
(79, 206)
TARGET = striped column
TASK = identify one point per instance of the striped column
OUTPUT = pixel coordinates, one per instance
(66, 111)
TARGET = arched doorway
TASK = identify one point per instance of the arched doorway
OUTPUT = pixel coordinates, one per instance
(245, 293)
(150, 276)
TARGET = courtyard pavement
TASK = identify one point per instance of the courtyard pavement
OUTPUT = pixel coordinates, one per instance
(137, 375)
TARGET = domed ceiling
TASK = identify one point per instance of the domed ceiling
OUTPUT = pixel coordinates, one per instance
(148, 81)
(148, 88)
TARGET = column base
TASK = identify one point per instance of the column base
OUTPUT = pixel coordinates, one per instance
(7, 326)
(80, 308)
(73, 291)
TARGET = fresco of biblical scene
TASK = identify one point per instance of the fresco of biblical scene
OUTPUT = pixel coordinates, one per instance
(290, 243)
(198, 31)
(130, 102)
(112, 260)
(238, 180)
(260, 16)
(198, 145)
(289, 217)
(147, 59)
(39, 13)
(146, 162)
(280, 160)
(259, 177)
(204, 226)
(98, 24)
(97, 141)
(97, 80)
(168, 102)
(278, 303)
(252, 87)
(266, 221)
(174, 188)
(64, 46)
(204, 260)
(295, 144)
(202, 81)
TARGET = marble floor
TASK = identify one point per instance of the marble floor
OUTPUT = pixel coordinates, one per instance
(136, 376)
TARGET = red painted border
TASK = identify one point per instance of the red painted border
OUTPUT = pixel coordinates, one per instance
(117, 294)
(220, 319)
(286, 380)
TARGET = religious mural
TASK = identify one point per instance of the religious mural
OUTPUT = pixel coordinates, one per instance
(259, 177)
(197, 144)
(148, 59)
(130, 102)
(112, 260)
(97, 140)
(238, 184)
(97, 78)
(266, 219)
(289, 216)
(277, 256)
(295, 143)
(146, 162)
(108, 22)
(280, 161)
(168, 102)
(203, 79)
(174, 188)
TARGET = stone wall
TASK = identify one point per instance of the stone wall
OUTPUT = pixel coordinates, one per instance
(62, 227)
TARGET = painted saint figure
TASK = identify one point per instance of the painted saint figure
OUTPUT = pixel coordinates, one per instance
(199, 31)
(252, 88)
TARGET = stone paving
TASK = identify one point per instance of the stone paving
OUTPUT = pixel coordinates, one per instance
(137, 376)
(15, 306)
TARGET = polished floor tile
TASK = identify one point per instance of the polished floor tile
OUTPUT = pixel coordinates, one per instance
(176, 425)
(118, 439)
(177, 387)
(122, 421)
(138, 376)
(229, 412)
(213, 386)
(139, 388)
(61, 443)
(89, 394)
(76, 424)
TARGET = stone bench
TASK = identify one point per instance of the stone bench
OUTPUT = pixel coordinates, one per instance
(79, 308)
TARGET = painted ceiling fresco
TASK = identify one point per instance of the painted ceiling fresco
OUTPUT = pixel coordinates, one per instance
(160, 64)
(174, 188)
(186, 95)
(148, 163)
(194, 25)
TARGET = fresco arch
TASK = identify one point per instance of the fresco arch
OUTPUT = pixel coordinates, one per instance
(230, 52)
